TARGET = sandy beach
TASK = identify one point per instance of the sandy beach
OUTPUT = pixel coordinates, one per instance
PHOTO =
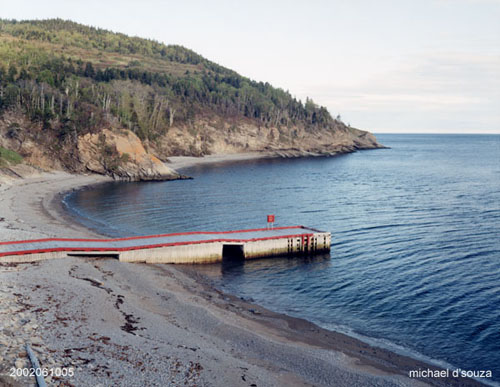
(181, 162)
(112, 323)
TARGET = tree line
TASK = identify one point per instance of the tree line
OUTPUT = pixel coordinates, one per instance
(72, 96)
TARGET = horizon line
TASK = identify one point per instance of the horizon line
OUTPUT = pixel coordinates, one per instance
(429, 132)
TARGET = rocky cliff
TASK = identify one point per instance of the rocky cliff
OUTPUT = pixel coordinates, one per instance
(121, 154)
(217, 136)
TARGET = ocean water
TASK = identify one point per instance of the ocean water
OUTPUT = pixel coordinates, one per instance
(415, 260)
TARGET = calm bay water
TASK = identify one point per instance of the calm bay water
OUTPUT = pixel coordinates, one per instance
(415, 229)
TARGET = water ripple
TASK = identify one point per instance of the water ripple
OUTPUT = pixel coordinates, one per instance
(415, 238)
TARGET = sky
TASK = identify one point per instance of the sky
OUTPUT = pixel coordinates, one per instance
(429, 66)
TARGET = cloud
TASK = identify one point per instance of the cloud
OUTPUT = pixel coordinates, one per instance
(451, 90)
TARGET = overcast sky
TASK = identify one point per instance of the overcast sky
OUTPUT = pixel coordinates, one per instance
(384, 65)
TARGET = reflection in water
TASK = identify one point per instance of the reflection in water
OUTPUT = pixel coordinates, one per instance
(232, 268)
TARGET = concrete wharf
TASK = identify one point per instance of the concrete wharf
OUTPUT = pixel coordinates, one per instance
(188, 247)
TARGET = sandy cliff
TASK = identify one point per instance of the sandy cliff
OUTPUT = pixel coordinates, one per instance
(215, 136)
(121, 154)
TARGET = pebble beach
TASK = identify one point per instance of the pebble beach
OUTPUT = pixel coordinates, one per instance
(112, 323)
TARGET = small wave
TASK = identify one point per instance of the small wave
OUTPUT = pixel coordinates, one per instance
(414, 243)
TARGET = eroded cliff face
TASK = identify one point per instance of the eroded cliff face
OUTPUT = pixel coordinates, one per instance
(221, 137)
(121, 154)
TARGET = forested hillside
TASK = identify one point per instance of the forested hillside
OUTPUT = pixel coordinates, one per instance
(61, 81)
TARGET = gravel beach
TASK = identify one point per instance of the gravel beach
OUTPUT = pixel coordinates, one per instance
(100, 322)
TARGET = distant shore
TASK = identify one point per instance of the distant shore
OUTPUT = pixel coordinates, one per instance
(159, 324)
(181, 162)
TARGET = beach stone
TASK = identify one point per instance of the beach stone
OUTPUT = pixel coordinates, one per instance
(19, 363)
(22, 354)
(36, 341)
(8, 332)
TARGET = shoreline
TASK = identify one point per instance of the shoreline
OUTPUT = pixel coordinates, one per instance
(182, 162)
(232, 326)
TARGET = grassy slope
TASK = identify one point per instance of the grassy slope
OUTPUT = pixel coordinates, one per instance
(13, 49)
(9, 157)
(101, 47)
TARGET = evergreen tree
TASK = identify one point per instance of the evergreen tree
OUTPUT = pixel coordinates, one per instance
(11, 77)
(89, 70)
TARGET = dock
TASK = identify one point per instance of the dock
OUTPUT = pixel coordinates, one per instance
(187, 247)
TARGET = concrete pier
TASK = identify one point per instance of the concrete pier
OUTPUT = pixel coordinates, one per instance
(189, 247)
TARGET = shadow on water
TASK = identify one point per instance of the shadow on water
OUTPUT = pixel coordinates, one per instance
(235, 265)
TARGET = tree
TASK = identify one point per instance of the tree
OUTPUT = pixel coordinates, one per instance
(89, 70)
(46, 76)
(11, 77)
(3, 74)
(11, 95)
(24, 74)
